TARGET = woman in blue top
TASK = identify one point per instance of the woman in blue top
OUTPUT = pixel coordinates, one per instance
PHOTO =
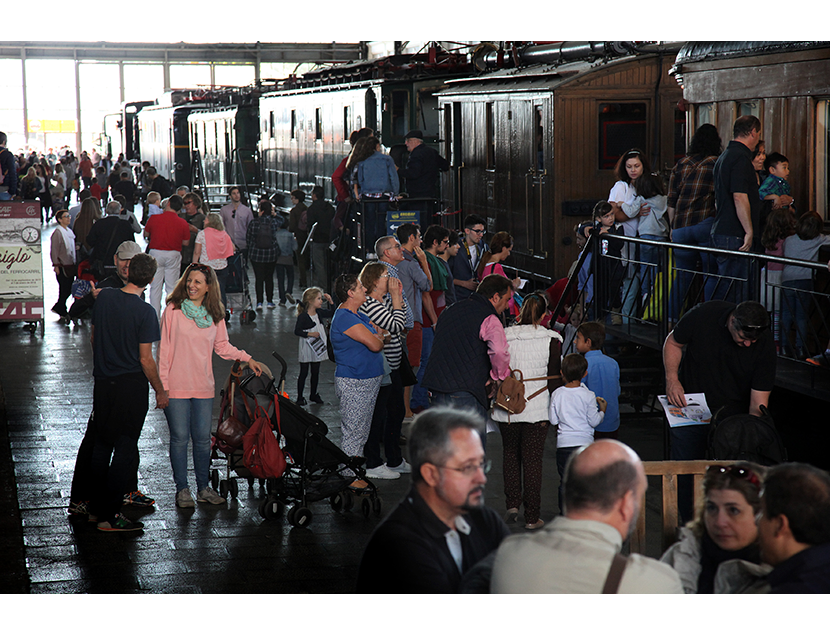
(357, 345)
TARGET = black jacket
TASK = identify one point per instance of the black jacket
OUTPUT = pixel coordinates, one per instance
(421, 172)
(411, 543)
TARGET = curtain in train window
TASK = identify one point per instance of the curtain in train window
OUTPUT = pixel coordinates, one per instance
(705, 113)
(622, 126)
(347, 123)
(318, 124)
(491, 136)
(823, 157)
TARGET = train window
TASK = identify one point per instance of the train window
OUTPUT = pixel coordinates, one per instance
(318, 124)
(823, 157)
(347, 122)
(749, 108)
(448, 131)
(272, 124)
(428, 112)
(400, 112)
(539, 134)
(621, 127)
(705, 113)
(293, 124)
(491, 136)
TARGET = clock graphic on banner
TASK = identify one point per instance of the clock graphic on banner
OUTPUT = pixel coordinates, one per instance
(30, 234)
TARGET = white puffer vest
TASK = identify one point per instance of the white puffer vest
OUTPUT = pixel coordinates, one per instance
(530, 353)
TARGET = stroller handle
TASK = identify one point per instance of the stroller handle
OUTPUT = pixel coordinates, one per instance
(283, 370)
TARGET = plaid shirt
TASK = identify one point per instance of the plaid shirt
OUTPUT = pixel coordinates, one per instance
(692, 191)
(774, 185)
(258, 254)
(409, 322)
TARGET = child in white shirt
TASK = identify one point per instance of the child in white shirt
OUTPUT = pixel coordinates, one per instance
(575, 410)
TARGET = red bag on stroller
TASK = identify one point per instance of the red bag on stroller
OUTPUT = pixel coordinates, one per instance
(262, 453)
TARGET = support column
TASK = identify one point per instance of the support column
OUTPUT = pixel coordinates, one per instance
(212, 75)
(25, 98)
(121, 80)
(166, 68)
(78, 141)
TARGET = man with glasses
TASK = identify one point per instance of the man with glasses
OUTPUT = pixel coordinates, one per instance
(441, 528)
(604, 487)
(728, 354)
(463, 264)
(237, 216)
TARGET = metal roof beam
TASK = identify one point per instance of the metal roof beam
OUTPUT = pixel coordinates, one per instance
(251, 53)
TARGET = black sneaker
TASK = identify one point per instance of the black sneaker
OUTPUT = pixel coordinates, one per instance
(290, 298)
(120, 523)
(301, 401)
(316, 398)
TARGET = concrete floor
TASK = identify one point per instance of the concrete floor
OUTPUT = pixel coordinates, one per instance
(47, 387)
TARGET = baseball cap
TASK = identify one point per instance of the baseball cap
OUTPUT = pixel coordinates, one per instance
(127, 250)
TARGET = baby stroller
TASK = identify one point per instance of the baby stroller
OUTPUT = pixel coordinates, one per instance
(236, 290)
(316, 468)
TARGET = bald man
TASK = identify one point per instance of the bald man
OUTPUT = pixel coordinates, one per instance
(604, 489)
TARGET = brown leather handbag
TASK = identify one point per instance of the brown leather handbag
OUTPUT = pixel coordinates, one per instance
(511, 394)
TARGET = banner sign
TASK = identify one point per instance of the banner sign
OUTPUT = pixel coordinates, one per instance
(396, 218)
(21, 262)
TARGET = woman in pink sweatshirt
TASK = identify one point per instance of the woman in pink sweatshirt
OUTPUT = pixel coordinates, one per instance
(192, 328)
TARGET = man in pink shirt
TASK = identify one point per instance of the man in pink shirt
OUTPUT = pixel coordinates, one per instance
(470, 356)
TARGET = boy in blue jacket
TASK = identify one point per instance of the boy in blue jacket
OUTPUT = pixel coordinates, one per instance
(603, 378)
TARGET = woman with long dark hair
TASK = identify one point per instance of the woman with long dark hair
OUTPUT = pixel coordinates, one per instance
(501, 245)
(192, 329)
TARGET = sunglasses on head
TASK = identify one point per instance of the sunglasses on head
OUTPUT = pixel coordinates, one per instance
(735, 471)
(750, 330)
(195, 266)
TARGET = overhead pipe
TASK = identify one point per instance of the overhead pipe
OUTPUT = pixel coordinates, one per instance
(559, 52)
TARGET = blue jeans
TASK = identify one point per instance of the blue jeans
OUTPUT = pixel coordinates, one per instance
(5, 196)
(795, 307)
(420, 398)
(685, 262)
(190, 419)
(649, 255)
(733, 271)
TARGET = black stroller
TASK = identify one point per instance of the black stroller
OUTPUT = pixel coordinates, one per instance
(316, 468)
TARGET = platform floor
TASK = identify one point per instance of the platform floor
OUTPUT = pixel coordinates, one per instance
(46, 384)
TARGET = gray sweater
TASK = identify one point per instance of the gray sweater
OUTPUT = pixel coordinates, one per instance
(799, 249)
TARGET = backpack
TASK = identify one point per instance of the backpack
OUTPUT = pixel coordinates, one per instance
(746, 437)
(262, 453)
(265, 237)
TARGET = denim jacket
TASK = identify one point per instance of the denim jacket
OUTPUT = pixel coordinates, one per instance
(378, 174)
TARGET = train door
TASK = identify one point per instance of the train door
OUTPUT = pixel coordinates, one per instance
(523, 129)
(452, 151)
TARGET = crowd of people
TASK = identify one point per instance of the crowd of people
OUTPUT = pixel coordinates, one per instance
(430, 331)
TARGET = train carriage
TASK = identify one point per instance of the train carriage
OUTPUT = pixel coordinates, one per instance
(163, 139)
(785, 84)
(223, 143)
(532, 149)
(304, 130)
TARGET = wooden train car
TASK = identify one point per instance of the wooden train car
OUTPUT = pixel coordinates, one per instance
(225, 139)
(533, 149)
(785, 84)
(304, 131)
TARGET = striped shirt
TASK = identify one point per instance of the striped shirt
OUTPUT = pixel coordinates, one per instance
(382, 314)
(692, 191)
(410, 316)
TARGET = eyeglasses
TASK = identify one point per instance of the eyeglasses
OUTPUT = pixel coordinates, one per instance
(478, 231)
(736, 471)
(472, 468)
(446, 241)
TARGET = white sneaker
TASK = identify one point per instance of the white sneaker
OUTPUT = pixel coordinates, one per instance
(383, 473)
(209, 495)
(403, 468)
(184, 499)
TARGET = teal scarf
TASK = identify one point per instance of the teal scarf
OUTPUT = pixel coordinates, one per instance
(198, 314)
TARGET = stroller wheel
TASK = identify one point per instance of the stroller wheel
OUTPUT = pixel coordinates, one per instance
(300, 516)
(348, 500)
(376, 506)
(234, 488)
(214, 479)
(366, 508)
(270, 509)
(337, 502)
(223, 488)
